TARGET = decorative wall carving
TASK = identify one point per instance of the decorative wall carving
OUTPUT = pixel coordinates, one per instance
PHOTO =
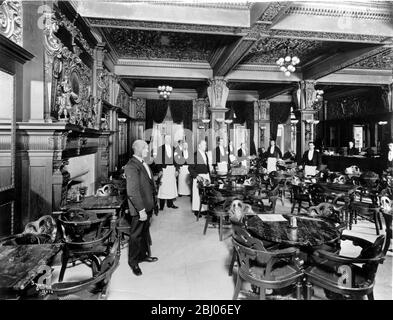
(264, 108)
(72, 97)
(272, 10)
(198, 107)
(138, 108)
(123, 100)
(217, 92)
(11, 21)
(150, 45)
(75, 32)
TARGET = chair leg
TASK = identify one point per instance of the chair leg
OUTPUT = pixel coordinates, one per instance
(293, 207)
(232, 264)
(308, 291)
(379, 220)
(370, 296)
(206, 223)
(220, 228)
(237, 288)
(376, 223)
(299, 287)
(64, 261)
(262, 293)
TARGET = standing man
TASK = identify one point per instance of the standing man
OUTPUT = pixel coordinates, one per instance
(182, 158)
(167, 172)
(199, 170)
(311, 160)
(222, 156)
(352, 151)
(141, 202)
(389, 157)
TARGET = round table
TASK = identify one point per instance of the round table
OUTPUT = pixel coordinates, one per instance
(309, 233)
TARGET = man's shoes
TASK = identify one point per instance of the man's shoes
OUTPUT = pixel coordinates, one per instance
(136, 270)
(150, 259)
(174, 207)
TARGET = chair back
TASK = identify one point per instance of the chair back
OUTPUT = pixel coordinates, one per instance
(84, 229)
(107, 190)
(340, 179)
(326, 210)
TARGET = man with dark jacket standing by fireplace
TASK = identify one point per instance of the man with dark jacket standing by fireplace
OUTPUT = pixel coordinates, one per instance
(141, 194)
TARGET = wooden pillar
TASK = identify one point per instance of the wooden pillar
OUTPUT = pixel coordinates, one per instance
(218, 94)
(263, 123)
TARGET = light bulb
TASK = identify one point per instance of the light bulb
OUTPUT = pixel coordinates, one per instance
(287, 73)
(283, 69)
(291, 68)
(278, 62)
(287, 58)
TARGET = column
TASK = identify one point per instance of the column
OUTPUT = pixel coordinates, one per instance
(304, 97)
(263, 123)
(218, 94)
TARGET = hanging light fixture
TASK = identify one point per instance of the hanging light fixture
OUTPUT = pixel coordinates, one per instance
(318, 95)
(164, 91)
(231, 116)
(287, 64)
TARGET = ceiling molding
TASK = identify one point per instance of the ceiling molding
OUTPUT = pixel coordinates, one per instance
(163, 64)
(166, 26)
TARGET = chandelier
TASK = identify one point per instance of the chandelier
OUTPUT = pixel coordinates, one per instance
(164, 91)
(287, 64)
(318, 95)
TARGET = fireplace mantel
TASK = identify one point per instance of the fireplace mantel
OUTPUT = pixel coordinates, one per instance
(43, 151)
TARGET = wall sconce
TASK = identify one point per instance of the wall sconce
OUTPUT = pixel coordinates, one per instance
(382, 123)
(205, 120)
(122, 119)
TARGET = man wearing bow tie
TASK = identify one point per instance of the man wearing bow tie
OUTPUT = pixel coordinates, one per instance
(141, 194)
(389, 157)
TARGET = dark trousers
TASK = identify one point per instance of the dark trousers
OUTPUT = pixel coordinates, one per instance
(169, 203)
(139, 241)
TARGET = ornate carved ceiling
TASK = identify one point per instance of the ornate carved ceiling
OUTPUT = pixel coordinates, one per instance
(268, 50)
(154, 83)
(157, 45)
(381, 61)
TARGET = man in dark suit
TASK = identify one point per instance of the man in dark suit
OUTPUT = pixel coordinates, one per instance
(221, 155)
(141, 194)
(311, 157)
(352, 151)
(389, 157)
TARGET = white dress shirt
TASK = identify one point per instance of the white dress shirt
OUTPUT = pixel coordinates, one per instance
(310, 154)
(390, 155)
(168, 150)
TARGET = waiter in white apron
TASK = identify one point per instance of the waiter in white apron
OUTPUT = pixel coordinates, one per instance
(273, 153)
(222, 157)
(167, 172)
(311, 160)
(199, 170)
(182, 157)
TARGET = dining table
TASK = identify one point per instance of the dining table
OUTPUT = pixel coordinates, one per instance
(21, 264)
(310, 232)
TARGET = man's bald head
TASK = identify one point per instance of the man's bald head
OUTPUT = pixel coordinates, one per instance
(140, 148)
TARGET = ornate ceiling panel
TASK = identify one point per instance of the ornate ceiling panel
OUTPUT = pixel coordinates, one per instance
(157, 45)
(380, 61)
(268, 50)
(175, 84)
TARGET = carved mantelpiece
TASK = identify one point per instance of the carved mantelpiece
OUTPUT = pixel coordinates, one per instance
(43, 150)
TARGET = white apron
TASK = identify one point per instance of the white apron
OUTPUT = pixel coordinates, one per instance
(184, 183)
(196, 200)
(168, 188)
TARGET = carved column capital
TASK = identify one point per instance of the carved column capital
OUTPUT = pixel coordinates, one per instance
(264, 109)
(217, 92)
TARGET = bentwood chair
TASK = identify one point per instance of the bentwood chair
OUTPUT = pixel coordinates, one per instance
(266, 269)
(86, 237)
(300, 195)
(347, 277)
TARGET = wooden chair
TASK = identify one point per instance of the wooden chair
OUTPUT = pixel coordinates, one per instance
(300, 195)
(265, 269)
(218, 214)
(348, 277)
(365, 205)
(86, 237)
(387, 212)
(91, 288)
